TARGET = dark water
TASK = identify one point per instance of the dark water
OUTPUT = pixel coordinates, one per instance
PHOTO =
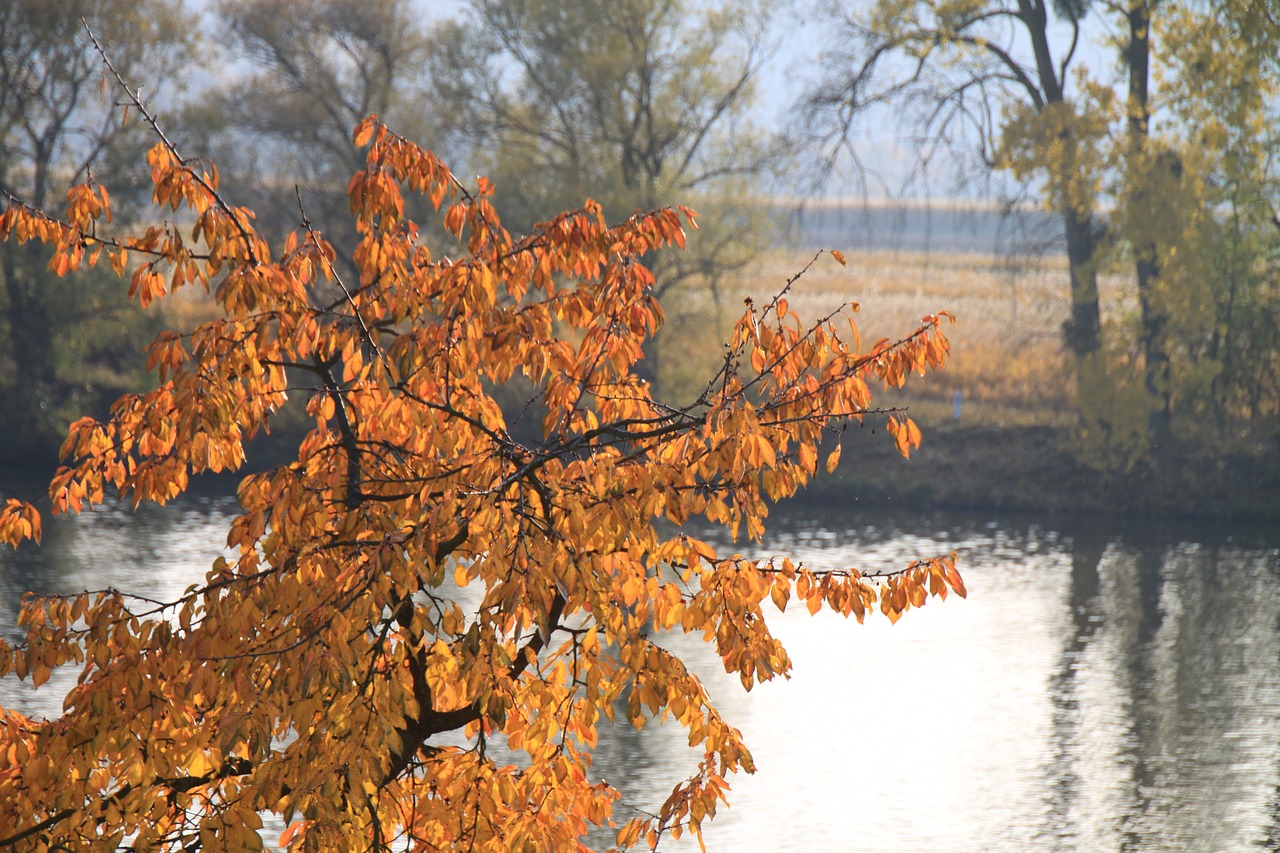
(1106, 686)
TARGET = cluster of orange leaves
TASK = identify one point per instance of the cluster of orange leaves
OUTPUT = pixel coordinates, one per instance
(418, 572)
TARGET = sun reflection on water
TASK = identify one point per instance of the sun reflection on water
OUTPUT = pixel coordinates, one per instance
(1100, 689)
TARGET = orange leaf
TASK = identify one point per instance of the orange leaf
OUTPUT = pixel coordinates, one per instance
(286, 837)
(833, 459)
(363, 132)
(808, 458)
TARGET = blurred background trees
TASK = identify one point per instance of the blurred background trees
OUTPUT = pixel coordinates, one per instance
(634, 103)
(295, 77)
(1148, 128)
(67, 348)
(1197, 199)
(637, 104)
(987, 85)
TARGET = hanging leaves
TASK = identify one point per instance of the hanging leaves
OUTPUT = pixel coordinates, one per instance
(417, 573)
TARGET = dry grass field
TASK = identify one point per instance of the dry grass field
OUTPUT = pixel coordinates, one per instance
(1007, 357)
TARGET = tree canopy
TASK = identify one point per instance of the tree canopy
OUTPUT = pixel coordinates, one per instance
(1157, 159)
(415, 573)
(637, 103)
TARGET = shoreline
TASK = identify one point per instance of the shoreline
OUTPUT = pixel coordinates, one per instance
(981, 468)
(1031, 469)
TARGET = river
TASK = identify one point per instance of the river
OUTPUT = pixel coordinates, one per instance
(1107, 685)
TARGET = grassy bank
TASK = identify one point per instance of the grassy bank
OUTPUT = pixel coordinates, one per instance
(1032, 468)
(1012, 447)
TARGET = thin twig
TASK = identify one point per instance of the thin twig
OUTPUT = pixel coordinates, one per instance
(135, 97)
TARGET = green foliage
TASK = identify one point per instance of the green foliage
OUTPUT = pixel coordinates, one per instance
(92, 355)
(1061, 146)
(1111, 435)
(1196, 194)
(1224, 287)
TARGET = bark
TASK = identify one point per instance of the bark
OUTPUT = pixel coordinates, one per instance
(1083, 331)
(1143, 211)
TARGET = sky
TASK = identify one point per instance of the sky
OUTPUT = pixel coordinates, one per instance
(882, 141)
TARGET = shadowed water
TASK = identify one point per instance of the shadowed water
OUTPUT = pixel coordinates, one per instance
(1106, 686)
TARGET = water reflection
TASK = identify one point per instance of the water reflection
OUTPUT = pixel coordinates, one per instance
(1103, 688)
(156, 552)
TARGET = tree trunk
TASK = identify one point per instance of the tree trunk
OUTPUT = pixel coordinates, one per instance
(1143, 173)
(1083, 331)
(1155, 347)
(27, 402)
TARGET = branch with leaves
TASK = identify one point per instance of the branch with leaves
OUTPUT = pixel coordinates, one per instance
(416, 571)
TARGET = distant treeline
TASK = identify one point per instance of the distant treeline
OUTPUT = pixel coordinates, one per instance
(937, 225)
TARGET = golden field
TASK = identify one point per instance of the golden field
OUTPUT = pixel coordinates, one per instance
(1006, 353)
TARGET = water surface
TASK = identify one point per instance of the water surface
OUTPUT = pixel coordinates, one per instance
(1106, 685)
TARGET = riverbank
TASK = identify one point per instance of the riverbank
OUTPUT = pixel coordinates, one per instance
(1032, 468)
(968, 467)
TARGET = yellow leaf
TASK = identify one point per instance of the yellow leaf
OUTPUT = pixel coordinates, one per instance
(200, 765)
(913, 433)
(833, 459)
(808, 458)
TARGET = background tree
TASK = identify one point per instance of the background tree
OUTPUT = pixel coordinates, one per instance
(1212, 236)
(415, 573)
(59, 354)
(1145, 168)
(997, 75)
(990, 81)
(635, 104)
(1193, 178)
(299, 76)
